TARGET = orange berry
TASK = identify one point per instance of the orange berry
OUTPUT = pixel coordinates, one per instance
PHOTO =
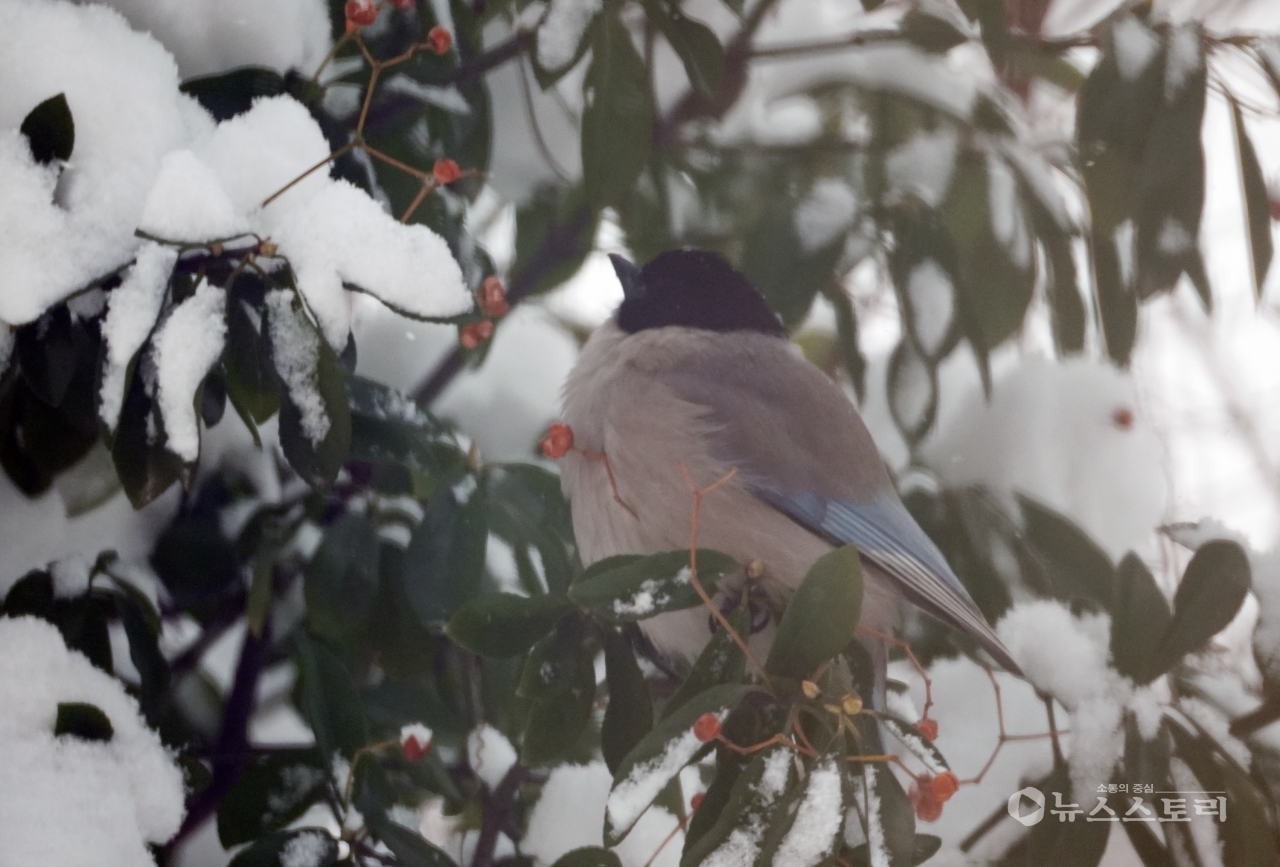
(928, 807)
(944, 786)
(445, 171)
(360, 13)
(493, 297)
(706, 727)
(558, 441)
(928, 728)
(475, 333)
(440, 39)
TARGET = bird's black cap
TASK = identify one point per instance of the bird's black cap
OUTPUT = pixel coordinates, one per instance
(694, 289)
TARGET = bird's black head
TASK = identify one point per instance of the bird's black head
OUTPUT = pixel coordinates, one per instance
(693, 288)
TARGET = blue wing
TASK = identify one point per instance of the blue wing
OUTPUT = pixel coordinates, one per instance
(889, 537)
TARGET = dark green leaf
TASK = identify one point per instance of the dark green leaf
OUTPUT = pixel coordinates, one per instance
(1140, 618)
(1075, 565)
(588, 856)
(1117, 303)
(503, 624)
(777, 262)
(629, 715)
(269, 795)
(821, 616)
(84, 721)
(328, 699)
(698, 48)
(1210, 594)
(251, 385)
(932, 29)
(638, 589)
(146, 468)
(341, 581)
(560, 678)
(228, 94)
(445, 558)
(83, 624)
(555, 230)
(660, 757)
(32, 594)
(50, 131)
(1256, 200)
(142, 628)
(721, 661)
(617, 121)
(279, 849)
(317, 461)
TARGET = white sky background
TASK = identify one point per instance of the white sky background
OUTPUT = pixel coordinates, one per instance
(1206, 388)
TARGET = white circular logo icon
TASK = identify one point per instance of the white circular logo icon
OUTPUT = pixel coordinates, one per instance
(1015, 802)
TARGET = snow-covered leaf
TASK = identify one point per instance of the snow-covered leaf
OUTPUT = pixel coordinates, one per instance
(738, 834)
(916, 743)
(660, 757)
(562, 38)
(303, 847)
(887, 817)
(805, 827)
(623, 591)
(270, 794)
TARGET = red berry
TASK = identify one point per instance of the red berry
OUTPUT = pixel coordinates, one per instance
(696, 801)
(944, 786)
(558, 441)
(415, 741)
(706, 727)
(405, 5)
(445, 171)
(928, 807)
(475, 333)
(360, 13)
(928, 728)
(493, 297)
(415, 751)
(1122, 418)
(440, 39)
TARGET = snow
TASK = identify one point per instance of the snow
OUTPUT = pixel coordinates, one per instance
(1135, 46)
(1182, 59)
(1095, 744)
(295, 348)
(824, 214)
(818, 818)
(742, 847)
(1060, 653)
(187, 202)
(922, 165)
(306, 850)
(210, 36)
(67, 801)
(187, 346)
(131, 314)
(932, 305)
(1174, 239)
(562, 30)
(913, 390)
(343, 235)
(70, 577)
(418, 732)
(490, 754)
(59, 233)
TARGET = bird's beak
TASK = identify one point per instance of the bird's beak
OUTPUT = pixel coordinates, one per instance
(628, 276)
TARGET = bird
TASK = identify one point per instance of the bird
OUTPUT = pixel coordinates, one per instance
(692, 382)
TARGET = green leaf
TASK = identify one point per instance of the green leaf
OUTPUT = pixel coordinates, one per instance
(1075, 565)
(1210, 594)
(821, 616)
(892, 824)
(752, 802)
(32, 594)
(50, 131)
(617, 121)
(697, 47)
(1141, 618)
(340, 583)
(917, 744)
(659, 758)
(317, 462)
(504, 624)
(721, 661)
(82, 720)
(560, 678)
(328, 700)
(631, 590)
(269, 795)
(547, 77)
(142, 627)
(932, 28)
(279, 849)
(1256, 200)
(246, 365)
(588, 856)
(777, 262)
(629, 715)
(445, 558)
(1117, 303)
(228, 94)
(146, 468)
